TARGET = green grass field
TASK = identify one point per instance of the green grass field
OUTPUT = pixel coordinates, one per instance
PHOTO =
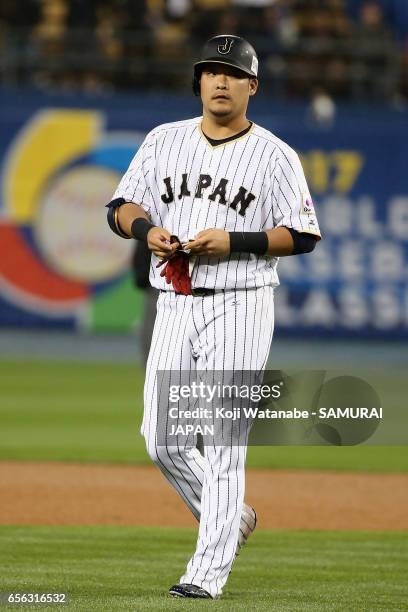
(65, 411)
(107, 568)
(92, 413)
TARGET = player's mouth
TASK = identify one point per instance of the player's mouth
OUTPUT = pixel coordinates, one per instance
(221, 97)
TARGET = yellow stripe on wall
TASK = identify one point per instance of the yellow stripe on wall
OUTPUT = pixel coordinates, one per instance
(51, 139)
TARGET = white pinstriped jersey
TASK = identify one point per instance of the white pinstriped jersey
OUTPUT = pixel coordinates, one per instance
(249, 184)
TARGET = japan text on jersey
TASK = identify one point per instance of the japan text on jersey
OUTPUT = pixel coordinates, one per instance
(251, 183)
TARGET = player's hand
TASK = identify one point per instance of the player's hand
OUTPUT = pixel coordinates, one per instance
(214, 242)
(158, 241)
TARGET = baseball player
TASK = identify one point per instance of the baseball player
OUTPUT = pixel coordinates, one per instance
(217, 199)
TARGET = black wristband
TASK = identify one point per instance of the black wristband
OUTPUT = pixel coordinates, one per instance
(140, 228)
(249, 242)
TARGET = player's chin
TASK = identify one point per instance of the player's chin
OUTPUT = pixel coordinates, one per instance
(220, 110)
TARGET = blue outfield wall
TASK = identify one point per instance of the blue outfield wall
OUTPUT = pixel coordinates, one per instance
(61, 154)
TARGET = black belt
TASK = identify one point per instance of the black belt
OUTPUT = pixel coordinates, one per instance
(202, 291)
(199, 291)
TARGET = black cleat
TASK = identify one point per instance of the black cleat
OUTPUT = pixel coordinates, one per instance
(189, 590)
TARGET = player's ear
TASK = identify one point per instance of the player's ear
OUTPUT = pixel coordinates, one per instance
(253, 86)
(196, 86)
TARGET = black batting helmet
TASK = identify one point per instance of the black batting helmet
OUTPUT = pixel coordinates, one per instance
(226, 49)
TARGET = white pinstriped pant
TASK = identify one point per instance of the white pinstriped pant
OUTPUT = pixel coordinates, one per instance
(230, 330)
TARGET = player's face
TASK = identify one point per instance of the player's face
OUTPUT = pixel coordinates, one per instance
(225, 91)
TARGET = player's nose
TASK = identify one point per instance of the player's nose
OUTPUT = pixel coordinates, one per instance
(222, 81)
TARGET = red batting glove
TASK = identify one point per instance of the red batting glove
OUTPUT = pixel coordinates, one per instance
(176, 272)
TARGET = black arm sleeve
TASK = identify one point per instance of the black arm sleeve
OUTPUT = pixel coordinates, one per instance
(113, 217)
(302, 243)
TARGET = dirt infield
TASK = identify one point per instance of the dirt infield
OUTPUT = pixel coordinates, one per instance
(83, 494)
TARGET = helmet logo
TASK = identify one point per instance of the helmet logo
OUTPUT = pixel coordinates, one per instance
(226, 47)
